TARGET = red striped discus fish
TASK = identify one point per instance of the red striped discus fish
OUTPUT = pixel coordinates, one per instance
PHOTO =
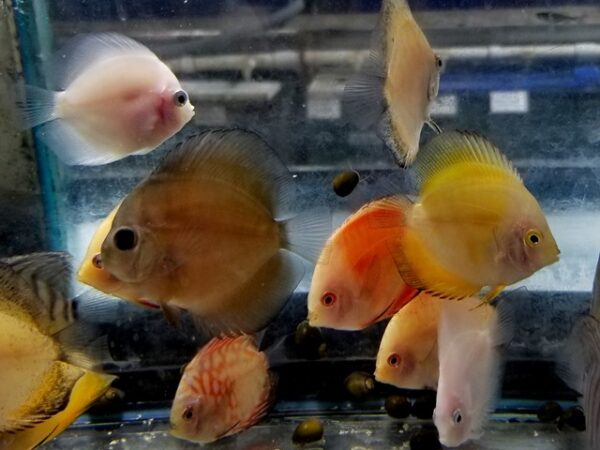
(224, 390)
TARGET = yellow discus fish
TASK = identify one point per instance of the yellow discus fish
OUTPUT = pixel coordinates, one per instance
(474, 225)
(40, 364)
(395, 89)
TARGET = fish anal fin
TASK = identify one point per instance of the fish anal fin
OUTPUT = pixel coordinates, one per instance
(255, 304)
(50, 397)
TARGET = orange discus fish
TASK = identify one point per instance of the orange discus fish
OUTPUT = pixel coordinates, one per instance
(408, 356)
(356, 281)
(224, 390)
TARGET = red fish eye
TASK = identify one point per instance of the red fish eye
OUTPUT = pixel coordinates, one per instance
(394, 360)
(188, 413)
(328, 299)
(97, 261)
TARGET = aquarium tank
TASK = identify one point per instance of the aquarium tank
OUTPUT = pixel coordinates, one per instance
(276, 224)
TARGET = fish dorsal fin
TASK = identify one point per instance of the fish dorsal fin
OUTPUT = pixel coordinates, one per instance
(388, 212)
(476, 155)
(43, 281)
(237, 157)
(84, 51)
(419, 269)
(256, 303)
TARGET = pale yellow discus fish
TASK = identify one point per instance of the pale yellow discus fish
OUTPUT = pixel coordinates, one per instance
(407, 356)
(395, 89)
(41, 366)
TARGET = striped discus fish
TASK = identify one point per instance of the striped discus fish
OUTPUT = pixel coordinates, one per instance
(225, 389)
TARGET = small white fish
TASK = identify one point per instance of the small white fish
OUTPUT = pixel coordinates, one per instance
(396, 87)
(468, 336)
(116, 98)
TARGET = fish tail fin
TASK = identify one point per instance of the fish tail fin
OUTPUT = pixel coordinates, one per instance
(506, 313)
(72, 147)
(580, 352)
(595, 306)
(363, 101)
(306, 233)
(38, 106)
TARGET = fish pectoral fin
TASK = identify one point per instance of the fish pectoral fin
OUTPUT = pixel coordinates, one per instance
(255, 304)
(493, 293)
(419, 269)
(172, 314)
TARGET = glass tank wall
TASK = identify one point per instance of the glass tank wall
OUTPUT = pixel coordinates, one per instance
(524, 74)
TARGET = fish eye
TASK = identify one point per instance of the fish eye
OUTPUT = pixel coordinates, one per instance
(125, 239)
(394, 360)
(533, 238)
(328, 299)
(97, 261)
(439, 62)
(180, 98)
(457, 416)
(188, 414)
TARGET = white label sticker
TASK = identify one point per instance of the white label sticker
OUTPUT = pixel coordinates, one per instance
(444, 105)
(509, 102)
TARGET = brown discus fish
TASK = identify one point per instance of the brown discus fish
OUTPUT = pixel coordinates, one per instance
(210, 231)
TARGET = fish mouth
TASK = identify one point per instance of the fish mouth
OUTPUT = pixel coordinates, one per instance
(312, 318)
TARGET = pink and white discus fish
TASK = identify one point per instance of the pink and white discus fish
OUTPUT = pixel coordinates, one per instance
(224, 390)
(468, 336)
(115, 98)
